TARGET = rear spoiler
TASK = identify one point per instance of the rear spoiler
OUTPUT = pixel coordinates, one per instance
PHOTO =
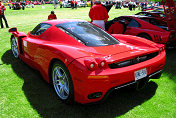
(15, 32)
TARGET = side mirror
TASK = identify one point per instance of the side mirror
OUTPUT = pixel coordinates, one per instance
(14, 29)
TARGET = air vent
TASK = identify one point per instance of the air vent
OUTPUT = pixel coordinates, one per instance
(133, 61)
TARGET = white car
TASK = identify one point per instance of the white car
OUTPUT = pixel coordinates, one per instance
(81, 4)
(66, 4)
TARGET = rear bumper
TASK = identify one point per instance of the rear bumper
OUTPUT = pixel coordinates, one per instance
(154, 75)
(103, 82)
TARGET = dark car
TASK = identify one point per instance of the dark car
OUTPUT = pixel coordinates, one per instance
(16, 6)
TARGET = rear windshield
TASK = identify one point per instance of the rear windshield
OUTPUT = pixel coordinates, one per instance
(87, 33)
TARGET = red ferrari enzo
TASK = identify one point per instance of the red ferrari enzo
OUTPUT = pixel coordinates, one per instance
(83, 62)
(146, 27)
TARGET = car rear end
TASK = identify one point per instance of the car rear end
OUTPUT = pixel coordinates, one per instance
(118, 70)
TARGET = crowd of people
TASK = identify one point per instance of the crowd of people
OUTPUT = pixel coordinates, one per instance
(98, 12)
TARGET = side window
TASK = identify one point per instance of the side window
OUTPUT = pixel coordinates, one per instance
(40, 28)
(134, 23)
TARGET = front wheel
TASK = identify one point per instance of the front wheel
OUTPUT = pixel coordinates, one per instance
(14, 47)
(62, 82)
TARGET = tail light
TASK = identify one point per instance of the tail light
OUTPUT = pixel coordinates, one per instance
(161, 47)
(101, 62)
(91, 65)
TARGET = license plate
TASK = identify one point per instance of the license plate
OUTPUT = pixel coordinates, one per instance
(140, 74)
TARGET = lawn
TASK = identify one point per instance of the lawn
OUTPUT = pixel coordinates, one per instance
(24, 94)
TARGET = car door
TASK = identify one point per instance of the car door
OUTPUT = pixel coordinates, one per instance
(34, 41)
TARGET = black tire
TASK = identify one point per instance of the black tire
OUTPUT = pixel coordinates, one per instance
(146, 36)
(14, 46)
(62, 82)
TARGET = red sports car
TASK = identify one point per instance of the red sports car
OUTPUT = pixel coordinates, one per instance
(157, 15)
(83, 62)
(150, 8)
(146, 27)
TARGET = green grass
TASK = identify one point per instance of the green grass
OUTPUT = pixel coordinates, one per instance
(24, 94)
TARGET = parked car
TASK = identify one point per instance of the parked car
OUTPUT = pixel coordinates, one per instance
(81, 4)
(150, 8)
(36, 3)
(16, 6)
(159, 10)
(83, 62)
(66, 4)
(157, 15)
(146, 27)
(48, 2)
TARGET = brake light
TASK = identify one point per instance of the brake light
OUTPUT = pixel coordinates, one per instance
(101, 62)
(161, 47)
(91, 65)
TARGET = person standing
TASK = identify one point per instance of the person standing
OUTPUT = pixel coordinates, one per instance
(130, 5)
(55, 4)
(75, 4)
(60, 3)
(98, 14)
(72, 4)
(134, 5)
(139, 5)
(2, 16)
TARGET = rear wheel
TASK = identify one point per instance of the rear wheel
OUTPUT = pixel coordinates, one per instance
(62, 82)
(146, 36)
(14, 47)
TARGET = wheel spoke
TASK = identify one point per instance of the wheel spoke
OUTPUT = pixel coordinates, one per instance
(62, 91)
(66, 89)
(14, 46)
(64, 77)
(58, 73)
(60, 84)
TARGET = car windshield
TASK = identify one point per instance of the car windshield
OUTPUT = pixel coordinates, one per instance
(87, 33)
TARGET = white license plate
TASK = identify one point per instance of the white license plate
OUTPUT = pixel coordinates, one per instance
(140, 74)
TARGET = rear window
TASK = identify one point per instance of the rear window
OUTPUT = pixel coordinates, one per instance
(87, 34)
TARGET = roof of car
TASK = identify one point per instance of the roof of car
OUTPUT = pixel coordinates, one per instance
(59, 21)
(136, 16)
(153, 12)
